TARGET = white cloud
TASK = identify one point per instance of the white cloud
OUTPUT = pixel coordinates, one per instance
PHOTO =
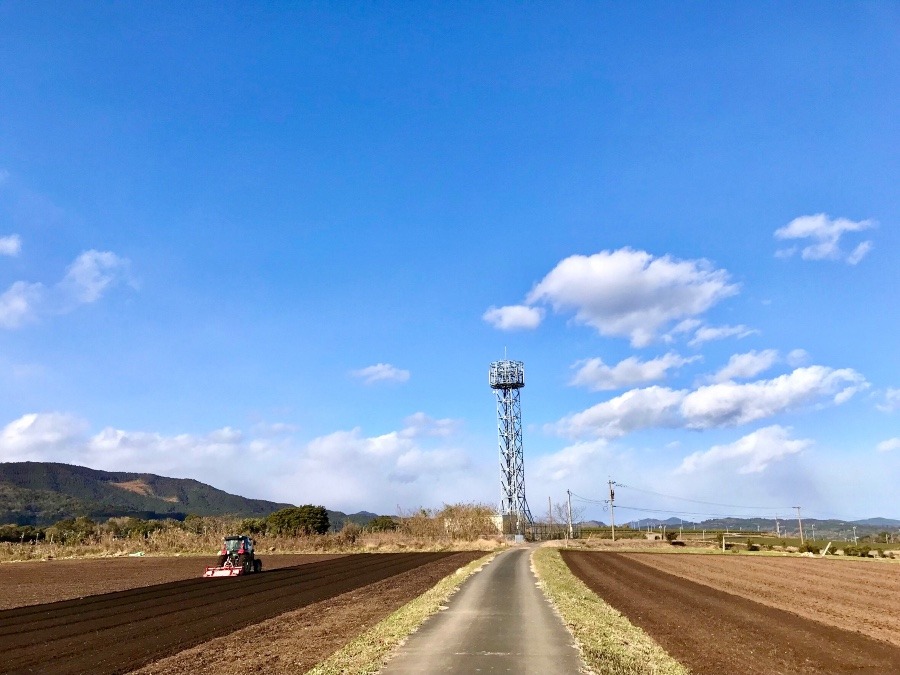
(729, 404)
(754, 452)
(514, 317)
(746, 365)
(90, 274)
(87, 278)
(569, 461)
(422, 463)
(597, 376)
(420, 425)
(20, 304)
(891, 400)
(718, 405)
(381, 372)
(710, 333)
(859, 252)
(631, 293)
(38, 436)
(825, 234)
(633, 410)
(11, 245)
(797, 357)
(888, 445)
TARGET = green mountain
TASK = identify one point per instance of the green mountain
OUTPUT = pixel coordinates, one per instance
(42, 493)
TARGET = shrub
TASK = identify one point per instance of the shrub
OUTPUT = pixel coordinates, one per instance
(382, 524)
(300, 520)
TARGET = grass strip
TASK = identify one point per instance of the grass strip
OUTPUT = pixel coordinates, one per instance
(610, 644)
(368, 653)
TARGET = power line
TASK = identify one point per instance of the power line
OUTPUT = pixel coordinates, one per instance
(698, 501)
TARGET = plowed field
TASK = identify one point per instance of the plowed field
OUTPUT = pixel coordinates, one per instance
(713, 631)
(34, 583)
(859, 595)
(118, 632)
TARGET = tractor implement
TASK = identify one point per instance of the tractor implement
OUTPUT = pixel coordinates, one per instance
(226, 570)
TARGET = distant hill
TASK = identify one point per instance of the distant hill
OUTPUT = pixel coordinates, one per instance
(823, 528)
(42, 493)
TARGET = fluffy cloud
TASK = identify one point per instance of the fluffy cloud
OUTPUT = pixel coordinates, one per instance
(597, 376)
(39, 436)
(722, 404)
(633, 410)
(10, 245)
(421, 463)
(754, 452)
(86, 280)
(710, 333)
(729, 404)
(891, 400)
(91, 273)
(514, 317)
(569, 461)
(631, 293)
(20, 304)
(421, 425)
(381, 372)
(888, 445)
(742, 366)
(825, 235)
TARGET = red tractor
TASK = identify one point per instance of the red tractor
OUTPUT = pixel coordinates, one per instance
(236, 557)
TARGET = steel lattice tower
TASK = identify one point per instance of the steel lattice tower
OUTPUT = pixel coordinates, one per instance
(506, 379)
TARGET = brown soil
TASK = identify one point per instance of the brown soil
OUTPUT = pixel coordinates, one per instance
(33, 583)
(711, 631)
(295, 642)
(117, 632)
(859, 595)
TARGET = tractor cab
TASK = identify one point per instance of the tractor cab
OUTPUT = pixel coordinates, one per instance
(237, 544)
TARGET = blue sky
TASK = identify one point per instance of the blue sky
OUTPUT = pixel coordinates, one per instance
(275, 248)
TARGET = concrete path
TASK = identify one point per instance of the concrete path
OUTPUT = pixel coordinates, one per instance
(498, 622)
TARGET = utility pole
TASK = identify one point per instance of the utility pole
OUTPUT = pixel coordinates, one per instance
(612, 512)
(800, 521)
(550, 516)
(569, 493)
(814, 531)
(855, 540)
(777, 527)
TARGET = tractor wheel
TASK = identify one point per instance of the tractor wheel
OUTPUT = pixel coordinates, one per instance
(246, 563)
(257, 565)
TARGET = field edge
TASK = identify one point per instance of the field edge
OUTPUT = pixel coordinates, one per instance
(370, 651)
(610, 644)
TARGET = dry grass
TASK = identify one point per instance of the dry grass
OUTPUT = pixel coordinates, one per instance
(370, 651)
(179, 542)
(609, 643)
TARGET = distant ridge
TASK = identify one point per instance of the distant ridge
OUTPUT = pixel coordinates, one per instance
(42, 493)
(749, 525)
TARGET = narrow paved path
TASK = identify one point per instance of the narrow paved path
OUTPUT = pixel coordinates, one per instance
(498, 622)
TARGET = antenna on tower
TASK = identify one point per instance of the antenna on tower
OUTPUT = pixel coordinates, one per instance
(506, 379)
